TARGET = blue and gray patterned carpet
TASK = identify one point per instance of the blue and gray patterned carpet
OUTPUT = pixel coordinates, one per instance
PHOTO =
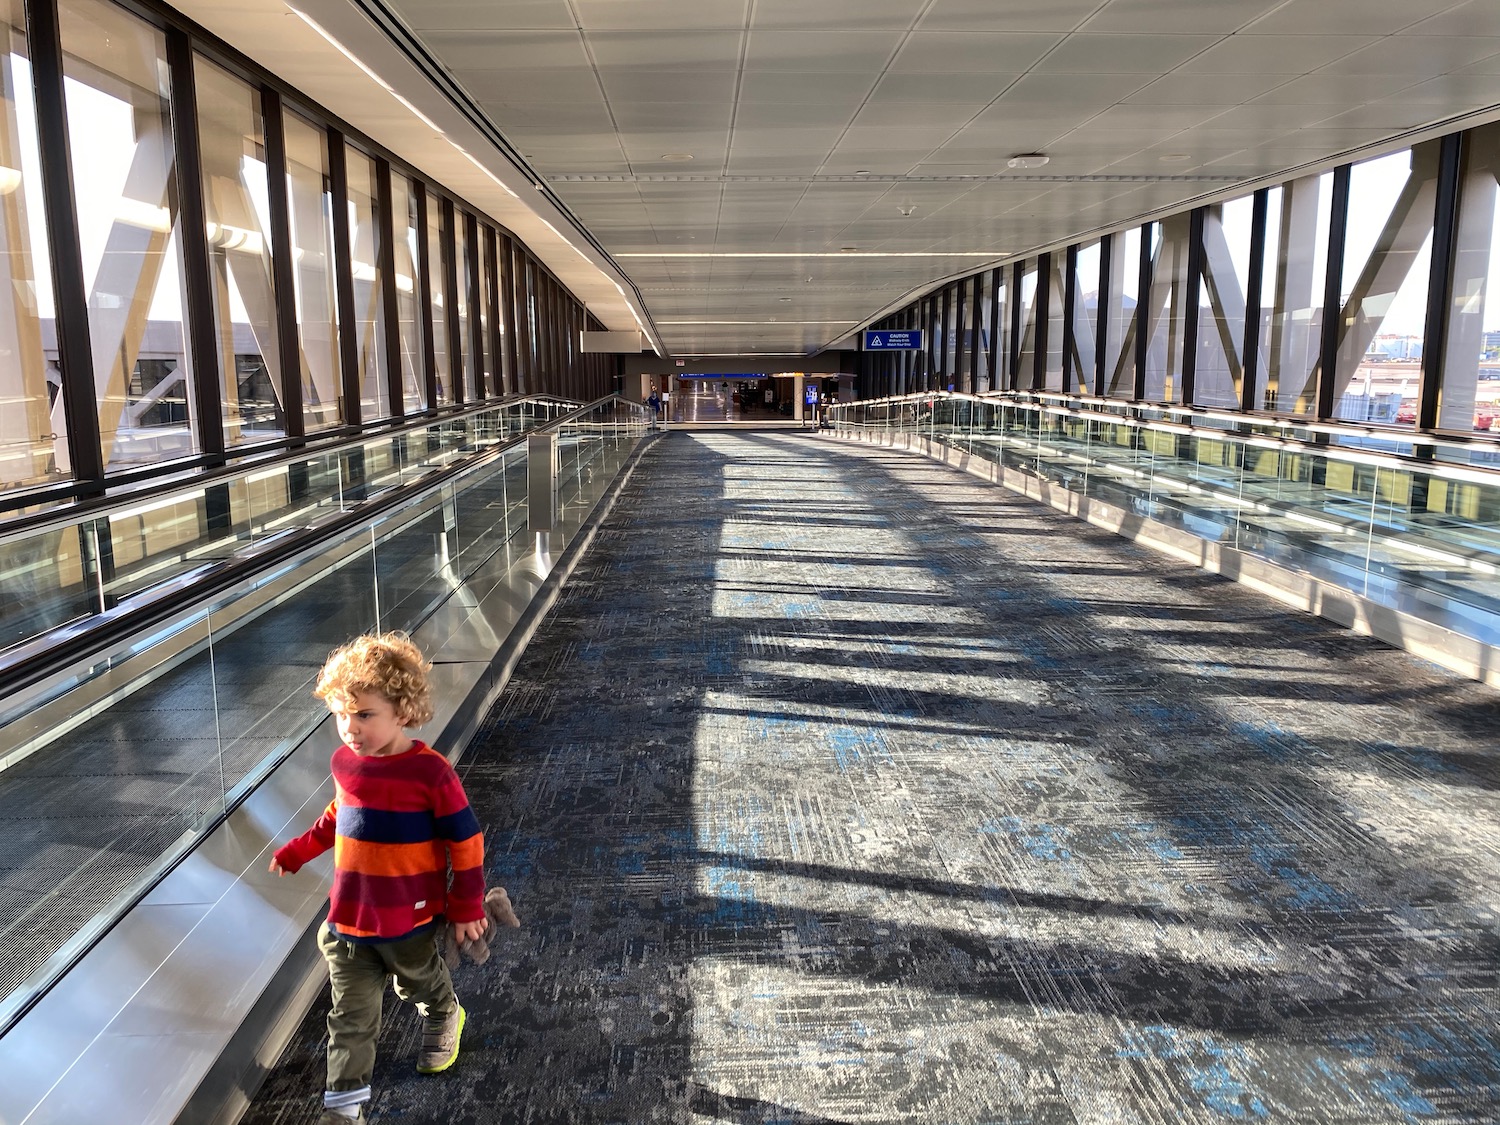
(842, 787)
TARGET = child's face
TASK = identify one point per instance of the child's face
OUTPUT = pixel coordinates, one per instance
(369, 724)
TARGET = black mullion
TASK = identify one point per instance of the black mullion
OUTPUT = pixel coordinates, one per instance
(385, 256)
(476, 306)
(202, 340)
(1101, 317)
(1255, 278)
(424, 294)
(1013, 349)
(448, 236)
(343, 256)
(1070, 308)
(1043, 315)
(70, 290)
(283, 257)
(1190, 309)
(492, 303)
(1338, 224)
(1440, 280)
(1142, 314)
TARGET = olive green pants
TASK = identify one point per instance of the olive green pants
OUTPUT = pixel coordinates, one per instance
(357, 974)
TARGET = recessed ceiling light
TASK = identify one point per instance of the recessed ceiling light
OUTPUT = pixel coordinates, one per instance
(862, 172)
(1027, 160)
(1174, 157)
(677, 157)
(848, 249)
(786, 298)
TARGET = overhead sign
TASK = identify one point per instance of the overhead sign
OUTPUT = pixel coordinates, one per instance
(908, 340)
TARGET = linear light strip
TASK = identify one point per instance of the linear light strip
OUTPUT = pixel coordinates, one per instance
(777, 323)
(1102, 178)
(814, 254)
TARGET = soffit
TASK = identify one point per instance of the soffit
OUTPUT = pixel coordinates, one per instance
(885, 125)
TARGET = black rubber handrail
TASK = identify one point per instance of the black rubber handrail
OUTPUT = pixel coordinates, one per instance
(138, 491)
(47, 654)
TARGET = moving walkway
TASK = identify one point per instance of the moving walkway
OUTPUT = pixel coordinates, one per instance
(158, 731)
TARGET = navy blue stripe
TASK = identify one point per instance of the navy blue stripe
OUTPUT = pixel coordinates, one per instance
(381, 826)
(457, 826)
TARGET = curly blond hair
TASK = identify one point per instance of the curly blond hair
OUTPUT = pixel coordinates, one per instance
(385, 663)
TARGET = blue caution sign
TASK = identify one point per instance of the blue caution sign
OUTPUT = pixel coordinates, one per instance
(905, 340)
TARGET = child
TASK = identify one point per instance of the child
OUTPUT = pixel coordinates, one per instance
(398, 819)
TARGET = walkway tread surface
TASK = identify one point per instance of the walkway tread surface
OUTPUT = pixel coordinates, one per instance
(843, 787)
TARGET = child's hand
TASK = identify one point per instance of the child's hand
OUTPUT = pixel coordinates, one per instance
(468, 931)
(276, 867)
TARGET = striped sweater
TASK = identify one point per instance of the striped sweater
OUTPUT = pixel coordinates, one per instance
(396, 824)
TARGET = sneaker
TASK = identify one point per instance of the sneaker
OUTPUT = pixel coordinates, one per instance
(440, 1042)
(334, 1117)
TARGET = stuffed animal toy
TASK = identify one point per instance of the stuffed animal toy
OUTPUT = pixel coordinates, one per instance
(498, 910)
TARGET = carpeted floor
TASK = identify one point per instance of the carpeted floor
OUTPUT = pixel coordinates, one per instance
(842, 787)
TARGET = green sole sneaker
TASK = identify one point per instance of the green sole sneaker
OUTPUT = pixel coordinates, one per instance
(440, 1043)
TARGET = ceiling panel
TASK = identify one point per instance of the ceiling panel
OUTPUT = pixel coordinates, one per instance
(859, 52)
(1420, 55)
(1138, 17)
(1084, 53)
(664, 15)
(1181, 87)
(500, 50)
(1315, 17)
(825, 16)
(653, 84)
(1019, 15)
(1337, 90)
(781, 102)
(680, 52)
(1476, 17)
(485, 15)
(1275, 54)
(937, 52)
(530, 84)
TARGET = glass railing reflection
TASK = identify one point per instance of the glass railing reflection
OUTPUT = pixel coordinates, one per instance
(65, 568)
(1410, 521)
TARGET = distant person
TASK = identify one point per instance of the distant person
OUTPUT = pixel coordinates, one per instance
(654, 402)
(398, 822)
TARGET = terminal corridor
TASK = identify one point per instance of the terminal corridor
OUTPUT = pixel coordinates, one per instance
(841, 786)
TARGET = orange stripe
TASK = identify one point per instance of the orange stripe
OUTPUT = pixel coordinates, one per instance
(467, 853)
(386, 859)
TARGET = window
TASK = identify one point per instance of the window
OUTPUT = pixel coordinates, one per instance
(1166, 313)
(310, 207)
(120, 137)
(1026, 373)
(1471, 365)
(365, 241)
(437, 269)
(236, 204)
(463, 259)
(1085, 317)
(409, 313)
(1124, 280)
(1222, 292)
(1295, 273)
(1057, 283)
(1383, 295)
(33, 448)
